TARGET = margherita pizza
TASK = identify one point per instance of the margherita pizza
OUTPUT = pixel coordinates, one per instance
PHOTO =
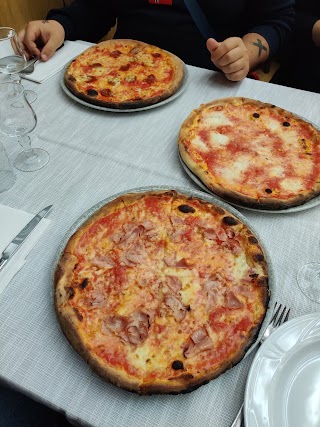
(252, 154)
(124, 74)
(161, 292)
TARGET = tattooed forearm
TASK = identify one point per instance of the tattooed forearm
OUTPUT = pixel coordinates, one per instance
(260, 46)
(45, 21)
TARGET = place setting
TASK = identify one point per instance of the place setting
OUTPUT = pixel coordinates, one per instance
(166, 301)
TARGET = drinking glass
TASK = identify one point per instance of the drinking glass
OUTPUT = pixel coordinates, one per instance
(7, 176)
(309, 280)
(17, 119)
(12, 58)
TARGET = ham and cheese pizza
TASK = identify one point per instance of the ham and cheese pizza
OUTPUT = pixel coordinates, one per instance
(252, 154)
(161, 292)
(124, 74)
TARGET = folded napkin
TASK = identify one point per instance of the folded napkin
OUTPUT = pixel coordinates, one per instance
(45, 70)
(11, 222)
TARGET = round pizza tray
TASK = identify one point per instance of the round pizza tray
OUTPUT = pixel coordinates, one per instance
(181, 89)
(308, 205)
(186, 191)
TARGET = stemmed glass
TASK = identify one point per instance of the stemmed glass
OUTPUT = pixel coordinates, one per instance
(17, 119)
(309, 280)
(12, 58)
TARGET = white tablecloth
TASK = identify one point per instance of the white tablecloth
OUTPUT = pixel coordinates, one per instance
(95, 154)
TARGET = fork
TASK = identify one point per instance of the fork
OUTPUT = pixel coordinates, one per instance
(280, 315)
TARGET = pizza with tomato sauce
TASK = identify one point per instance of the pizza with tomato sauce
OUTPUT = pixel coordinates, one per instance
(161, 292)
(253, 154)
(124, 74)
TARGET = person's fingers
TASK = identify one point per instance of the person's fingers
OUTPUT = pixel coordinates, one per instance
(212, 45)
(231, 57)
(30, 36)
(227, 46)
(235, 66)
(50, 47)
(238, 75)
(42, 38)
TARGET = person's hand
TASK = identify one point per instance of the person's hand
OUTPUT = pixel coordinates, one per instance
(231, 57)
(41, 38)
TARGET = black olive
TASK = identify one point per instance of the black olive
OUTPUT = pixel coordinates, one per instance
(256, 115)
(177, 364)
(229, 220)
(186, 209)
(92, 92)
(286, 124)
(268, 190)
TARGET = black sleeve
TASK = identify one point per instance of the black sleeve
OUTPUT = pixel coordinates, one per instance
(88, 20)
(274, 20)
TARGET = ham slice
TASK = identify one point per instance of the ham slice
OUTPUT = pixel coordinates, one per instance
(199, 342)
(179, 311)
(133, 328)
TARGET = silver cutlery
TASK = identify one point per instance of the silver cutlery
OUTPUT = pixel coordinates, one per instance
(15, 244)
(280, 316)
(29, 68)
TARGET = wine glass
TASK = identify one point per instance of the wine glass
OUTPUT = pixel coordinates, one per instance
(309, 280)
(17, 119)
(12, 58)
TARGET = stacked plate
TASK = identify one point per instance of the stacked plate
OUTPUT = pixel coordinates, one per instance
(283, 387)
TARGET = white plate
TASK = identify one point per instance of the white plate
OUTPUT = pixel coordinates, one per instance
(283, 387)
(182, 87)
(308, 205)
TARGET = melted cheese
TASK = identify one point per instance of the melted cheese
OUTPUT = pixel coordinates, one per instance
(219, 118)
(216, 139)
(200, 145)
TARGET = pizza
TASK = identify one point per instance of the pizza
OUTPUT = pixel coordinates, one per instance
(161, 292)
(252, 154)
(124, 74)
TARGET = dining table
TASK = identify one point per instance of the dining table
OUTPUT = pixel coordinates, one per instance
(96, 154)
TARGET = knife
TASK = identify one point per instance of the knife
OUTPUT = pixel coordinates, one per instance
(11, 249)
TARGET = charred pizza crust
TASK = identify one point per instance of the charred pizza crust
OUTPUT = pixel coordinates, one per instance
(196, 317)
(280, 151)
(124, 74)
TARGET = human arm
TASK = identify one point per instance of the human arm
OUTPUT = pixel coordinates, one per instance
(262, 31)
(235, 57)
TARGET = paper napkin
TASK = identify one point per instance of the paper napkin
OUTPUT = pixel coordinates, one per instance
(45, 70)
(11, 222)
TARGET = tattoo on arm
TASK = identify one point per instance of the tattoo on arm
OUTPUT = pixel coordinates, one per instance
(45, 21)
(259, 46)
